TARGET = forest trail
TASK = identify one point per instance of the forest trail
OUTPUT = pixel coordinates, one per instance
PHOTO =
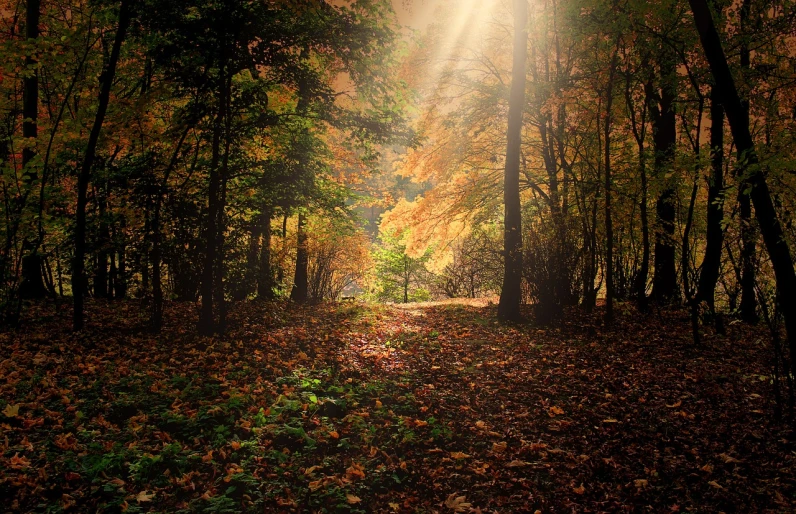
(366, 408)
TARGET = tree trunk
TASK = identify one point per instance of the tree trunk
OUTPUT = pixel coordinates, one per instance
(609, 228)
(299, 292)
(711, 262)
(30, 102)
(664, 281)
(265, 280)
(511, 293)
(748, 306)
(101, 267)
(156, 316)
(106, 81)
(770, 227)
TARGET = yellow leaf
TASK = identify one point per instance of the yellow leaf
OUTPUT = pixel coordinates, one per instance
(11, 411)
(144, 497)
(350, 498)
(459, 455)
(675, 405)
(480, 425)
(378, 404)
(394, 506)
(610, 420)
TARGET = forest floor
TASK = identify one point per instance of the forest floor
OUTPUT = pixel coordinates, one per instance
(359, 408)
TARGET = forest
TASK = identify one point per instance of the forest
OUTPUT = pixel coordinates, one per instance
(400, 256)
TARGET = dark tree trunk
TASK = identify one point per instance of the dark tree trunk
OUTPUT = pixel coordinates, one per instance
(106, 81)
(766, 214)
(265, 280)
(299, 292)
(113, 275)
(748, 306)
(32, 283)
(711, 262)
(30, 102)
(664, 281)
(511, 293)
(120, 284)
(103, 239)
(207, 320)
(156, 316)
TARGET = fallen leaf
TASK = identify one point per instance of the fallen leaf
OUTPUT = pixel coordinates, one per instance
(517, 464)
(675, 405)
(457, 503)
(459, 455)
(499, 447)
(579, 490)
(610, 420)
(11, 411)
(351, 499)
(715, 484)
(143, 496)
(18, 462)
(555, 411)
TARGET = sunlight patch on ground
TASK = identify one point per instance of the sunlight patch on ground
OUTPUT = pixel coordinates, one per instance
(467, 302)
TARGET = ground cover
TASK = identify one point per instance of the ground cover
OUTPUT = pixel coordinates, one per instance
(360, 408)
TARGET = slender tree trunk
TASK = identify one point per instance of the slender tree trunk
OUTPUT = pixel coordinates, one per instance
(711, 262)
(664, 282)
(265, 280)
(120, 285)
(406, 279)
(106, 81)
(609, 227)
(300, 278)
(30, 102)
(766, 214)
(101, 267)
(511, 293)
(748, 306)
(156, 316)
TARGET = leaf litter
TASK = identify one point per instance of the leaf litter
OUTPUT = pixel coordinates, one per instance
(379, 409)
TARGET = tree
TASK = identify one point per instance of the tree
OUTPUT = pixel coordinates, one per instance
(510, 293)
(770, 227)
(399, 277)
(79, 282)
